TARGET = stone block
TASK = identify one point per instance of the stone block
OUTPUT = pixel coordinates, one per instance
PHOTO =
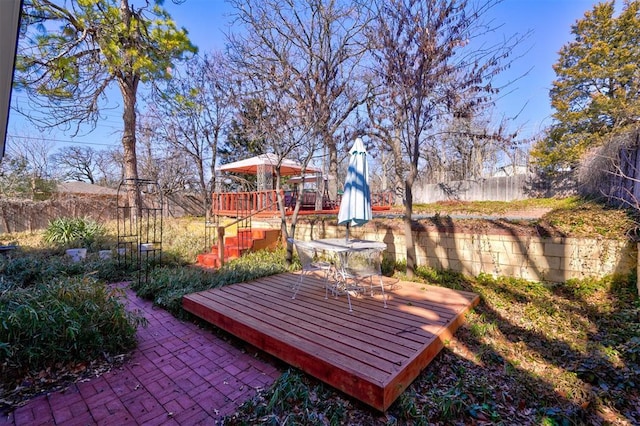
(556, 249)
(546, 262)
(439, 251)
(555, 275)
(447, 242)
(530, 247)
(532, 274)
(460, 254)
(486, 258)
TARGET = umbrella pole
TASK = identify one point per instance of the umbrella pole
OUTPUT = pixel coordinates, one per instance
(348, 226)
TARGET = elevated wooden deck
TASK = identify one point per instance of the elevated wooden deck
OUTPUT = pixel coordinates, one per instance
(372, 354)
(265, 203)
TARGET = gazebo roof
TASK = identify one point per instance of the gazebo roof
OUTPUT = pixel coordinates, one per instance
(252, 165)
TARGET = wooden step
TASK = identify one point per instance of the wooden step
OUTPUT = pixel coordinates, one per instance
(270, 238)
(244, 242)
(210, 260)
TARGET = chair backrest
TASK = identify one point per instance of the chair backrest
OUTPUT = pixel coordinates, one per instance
(306, 253)
(365, 262)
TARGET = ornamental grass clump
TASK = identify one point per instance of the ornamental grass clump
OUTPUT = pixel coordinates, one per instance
(67, 320)
(74, 231)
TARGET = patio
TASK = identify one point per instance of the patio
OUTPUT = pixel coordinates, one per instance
(180, 374)
(372, 354)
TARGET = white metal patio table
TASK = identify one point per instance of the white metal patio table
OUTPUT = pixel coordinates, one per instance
(344, 249)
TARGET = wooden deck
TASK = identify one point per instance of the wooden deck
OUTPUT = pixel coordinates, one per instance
(372, 354)
(265, 203)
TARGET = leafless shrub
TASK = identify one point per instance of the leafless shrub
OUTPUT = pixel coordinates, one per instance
(611, 171)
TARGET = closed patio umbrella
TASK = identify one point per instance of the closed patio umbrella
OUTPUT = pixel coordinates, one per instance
(355, 207)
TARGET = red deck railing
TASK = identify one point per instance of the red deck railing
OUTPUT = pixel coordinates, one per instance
(245, 203)
(382, 199)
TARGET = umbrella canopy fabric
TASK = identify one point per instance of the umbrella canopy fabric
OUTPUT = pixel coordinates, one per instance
(252, 165)
(355, 206)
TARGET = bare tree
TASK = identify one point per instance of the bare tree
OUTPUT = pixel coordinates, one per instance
(76, 163)
(612, 171)
(99, 167)
(161, 162)
(310, 52)
(241, 141)
(429, 65)
(472, 148)
(28, 169)
(196, 107)
(109, 164)
(14, 176)
(275, 120)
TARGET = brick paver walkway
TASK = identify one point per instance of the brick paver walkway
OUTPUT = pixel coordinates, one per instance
(179, 374)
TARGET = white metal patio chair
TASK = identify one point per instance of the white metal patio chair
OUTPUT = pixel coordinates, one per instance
(310, 263)
(358, 265)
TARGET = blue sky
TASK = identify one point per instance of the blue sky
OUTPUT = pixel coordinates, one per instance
(549, 20)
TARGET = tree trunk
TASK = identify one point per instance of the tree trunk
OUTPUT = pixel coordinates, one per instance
(408, 234)
(408, 208)
(213, 144)
(129, 133)
(289, 254)
(129, 89)
(128, 82)
(333, 170)
(202, 182)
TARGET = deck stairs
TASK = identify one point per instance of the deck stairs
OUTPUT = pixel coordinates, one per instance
(250, 239)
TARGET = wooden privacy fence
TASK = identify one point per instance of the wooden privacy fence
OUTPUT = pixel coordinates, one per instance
(25, 215)
(18, 215)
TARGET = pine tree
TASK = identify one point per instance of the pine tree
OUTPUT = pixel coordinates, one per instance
(597, 89)
(72, 52)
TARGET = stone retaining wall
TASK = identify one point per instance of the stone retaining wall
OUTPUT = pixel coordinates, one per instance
(495, 252)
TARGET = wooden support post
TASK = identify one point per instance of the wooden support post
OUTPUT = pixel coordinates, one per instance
(221, 245)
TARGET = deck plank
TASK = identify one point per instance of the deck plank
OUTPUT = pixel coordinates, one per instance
(372, 354)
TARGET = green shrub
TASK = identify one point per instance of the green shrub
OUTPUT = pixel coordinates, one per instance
(25, 271)
(388, 266)
(167, 285)
(68, 231)
(108, 270)
(66, 320)
(29, 270)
